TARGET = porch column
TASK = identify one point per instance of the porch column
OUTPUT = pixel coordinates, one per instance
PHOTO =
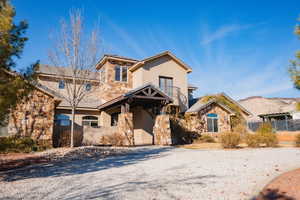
(162, 130)
(125, 127)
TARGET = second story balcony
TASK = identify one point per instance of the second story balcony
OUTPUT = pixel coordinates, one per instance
(179, 98)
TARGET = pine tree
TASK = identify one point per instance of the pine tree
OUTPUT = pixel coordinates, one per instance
(13, 86)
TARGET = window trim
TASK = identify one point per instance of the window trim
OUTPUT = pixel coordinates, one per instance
(86, 87)
(121, 70)
(90, 121)
(213, 119)
(61, 84)
(170, 90)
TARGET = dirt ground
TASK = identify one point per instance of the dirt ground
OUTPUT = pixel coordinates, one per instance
(284, 187)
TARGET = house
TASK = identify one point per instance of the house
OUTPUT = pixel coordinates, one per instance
(281, 112)
(133, 98)
(129, 97)
(213, 116)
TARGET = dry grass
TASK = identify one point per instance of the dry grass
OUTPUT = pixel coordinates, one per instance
(202, 146)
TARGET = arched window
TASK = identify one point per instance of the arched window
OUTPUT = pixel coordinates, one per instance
(88, 87)
(61, 84)
(212, 122)
(62, 120)
(90, 121)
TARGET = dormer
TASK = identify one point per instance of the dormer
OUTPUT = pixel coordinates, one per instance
(114, 70)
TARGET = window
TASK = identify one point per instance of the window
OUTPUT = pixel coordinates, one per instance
(61, 84)
(102, 75)
(166, 85)
(91, 121)
(121, 73)
(88, 87)
(114, 119)
(62, 120)
(212, 122)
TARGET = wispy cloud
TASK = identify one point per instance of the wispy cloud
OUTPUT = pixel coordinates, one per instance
(222, 32)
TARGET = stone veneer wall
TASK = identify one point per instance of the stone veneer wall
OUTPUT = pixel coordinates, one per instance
(34, 118)
(125, 127)
(198, 122)
(111, 89)
(162, 130)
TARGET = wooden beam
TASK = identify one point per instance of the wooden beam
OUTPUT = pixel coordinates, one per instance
(149, 97)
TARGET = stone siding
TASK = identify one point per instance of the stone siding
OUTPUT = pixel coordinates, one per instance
(111, 89)
(34, 117)
(125, 127)
(198, 122)
(162, 130)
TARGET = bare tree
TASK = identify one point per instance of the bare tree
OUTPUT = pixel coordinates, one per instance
(76, 54)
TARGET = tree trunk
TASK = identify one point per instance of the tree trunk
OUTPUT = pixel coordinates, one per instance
(72, 127)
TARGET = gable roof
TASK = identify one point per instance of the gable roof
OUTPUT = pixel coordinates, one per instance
(107, 57)
(200, 105)
(156, 94)
(166, 53)
(48, 70)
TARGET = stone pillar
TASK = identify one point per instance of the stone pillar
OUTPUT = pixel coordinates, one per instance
(125, 127)
(162, 130)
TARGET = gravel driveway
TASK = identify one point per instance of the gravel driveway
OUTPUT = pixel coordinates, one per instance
(154, 173)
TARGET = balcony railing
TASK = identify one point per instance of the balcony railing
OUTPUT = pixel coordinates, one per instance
(178, 97)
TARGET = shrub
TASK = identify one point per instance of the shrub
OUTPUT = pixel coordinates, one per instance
(207, 138)
(269, 139)
(297, 140)
(241, 129)
(17, 145)
(265, 127)
(230, 139)
(266, 135)
(115, 139)
(252, 140)
(180, 134)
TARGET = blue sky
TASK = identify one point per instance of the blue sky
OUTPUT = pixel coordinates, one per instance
(242, 48)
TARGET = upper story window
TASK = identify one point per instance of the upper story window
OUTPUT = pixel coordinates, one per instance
(90, 121)
(88, 87)
(102, 75)
(61, 84)
(212, 122)
(121, 73)
(166, 85)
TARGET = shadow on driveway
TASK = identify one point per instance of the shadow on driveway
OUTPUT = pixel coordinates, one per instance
(84, 165)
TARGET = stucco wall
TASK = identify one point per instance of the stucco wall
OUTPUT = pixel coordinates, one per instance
(143, 126)
(79, 115)
(163, 66)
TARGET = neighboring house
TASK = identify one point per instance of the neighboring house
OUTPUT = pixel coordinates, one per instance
(277, 108)
(281, 112)
(213, 116)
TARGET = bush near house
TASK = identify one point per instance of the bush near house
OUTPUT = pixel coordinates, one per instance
(18, 145)
(180, 134)
(297, 142)
(252, 140)
(206, 139)
(263, 137)
(230, 139)
(115, 139)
